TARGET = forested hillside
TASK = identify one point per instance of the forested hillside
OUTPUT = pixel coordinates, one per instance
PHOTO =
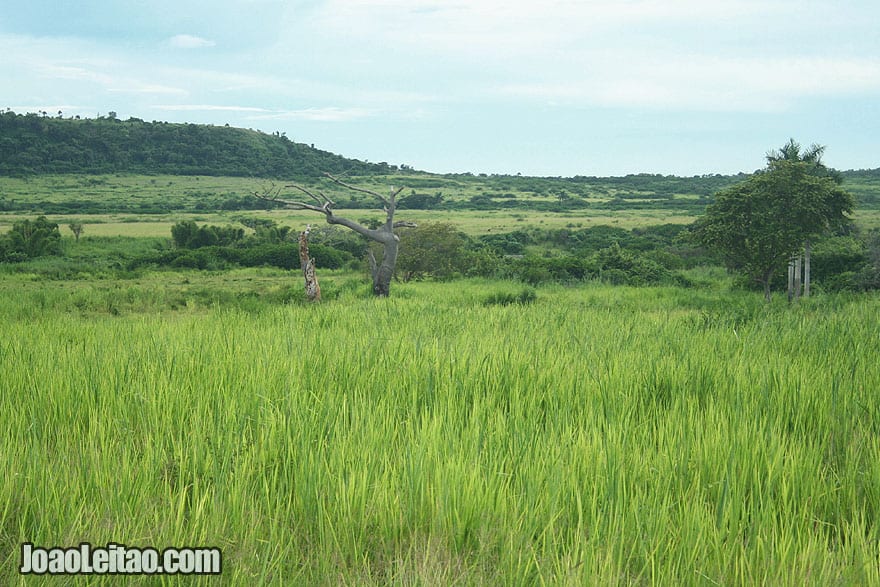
(39, 144)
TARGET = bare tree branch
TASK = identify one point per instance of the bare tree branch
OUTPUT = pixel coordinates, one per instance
(323, 201)
(404, 224)
(384, 199)
(376, 235)
(324, 207)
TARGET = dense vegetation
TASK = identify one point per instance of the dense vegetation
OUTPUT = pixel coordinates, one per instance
(848, 259)
(35, 144)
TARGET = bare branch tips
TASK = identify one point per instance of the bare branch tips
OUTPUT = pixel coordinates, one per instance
(384, 199)
(324, 204)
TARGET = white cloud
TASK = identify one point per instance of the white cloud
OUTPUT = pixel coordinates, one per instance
(207, 108)
(61, 71)
(706, 83)
(135, 87)
(323, 114)
(189, 42)
(735, 55)
(487, 28)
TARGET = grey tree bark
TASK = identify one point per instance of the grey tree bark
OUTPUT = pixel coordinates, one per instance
(383, 271)
(807, 268)
(765, 281)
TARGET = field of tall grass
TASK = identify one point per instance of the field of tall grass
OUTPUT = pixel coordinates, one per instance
(597, 435)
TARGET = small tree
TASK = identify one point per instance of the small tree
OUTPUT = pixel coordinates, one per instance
(34, 238)
(382, 271)
(758, 225)
(76, 228)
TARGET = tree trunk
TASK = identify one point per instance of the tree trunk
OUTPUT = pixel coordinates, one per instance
(313, 290)
(797, 276)
(807, 268)
(766, 281)
(383, 272)
(790, 289)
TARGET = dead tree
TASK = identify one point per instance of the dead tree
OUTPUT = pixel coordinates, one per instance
(382, 271)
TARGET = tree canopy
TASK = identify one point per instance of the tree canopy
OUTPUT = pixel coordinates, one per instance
(758, 225)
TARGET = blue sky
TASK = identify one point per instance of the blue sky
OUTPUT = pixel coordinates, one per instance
(557, 87)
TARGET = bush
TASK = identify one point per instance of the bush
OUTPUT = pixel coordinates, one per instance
(188, 235)
(623, 267)
(525, 296)
(835, 256)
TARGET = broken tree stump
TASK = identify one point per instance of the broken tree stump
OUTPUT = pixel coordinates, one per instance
(313, 290)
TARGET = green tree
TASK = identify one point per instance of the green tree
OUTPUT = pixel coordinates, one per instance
(758, 225)
(33, 238)
(437, 248)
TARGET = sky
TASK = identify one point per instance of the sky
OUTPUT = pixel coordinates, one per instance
(547, 88)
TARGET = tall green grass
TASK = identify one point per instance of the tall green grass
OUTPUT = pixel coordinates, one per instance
(596, 436)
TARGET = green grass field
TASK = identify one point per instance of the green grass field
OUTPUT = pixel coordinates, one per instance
(600, 435)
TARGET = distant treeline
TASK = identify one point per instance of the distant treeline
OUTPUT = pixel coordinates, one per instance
(38, 144)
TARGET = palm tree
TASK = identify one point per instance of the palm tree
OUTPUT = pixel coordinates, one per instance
(791, 151)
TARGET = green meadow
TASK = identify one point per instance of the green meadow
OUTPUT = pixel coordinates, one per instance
(597, 435)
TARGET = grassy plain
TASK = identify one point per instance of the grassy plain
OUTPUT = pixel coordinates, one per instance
(601, 435)
(169, 199)
(199, 198)
(471, 222)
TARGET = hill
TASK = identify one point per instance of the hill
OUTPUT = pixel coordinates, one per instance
(34, 144)
(37, 144)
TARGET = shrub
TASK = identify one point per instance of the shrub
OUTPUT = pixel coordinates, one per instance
(620, 266)
(188, 235)
(526, 296)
